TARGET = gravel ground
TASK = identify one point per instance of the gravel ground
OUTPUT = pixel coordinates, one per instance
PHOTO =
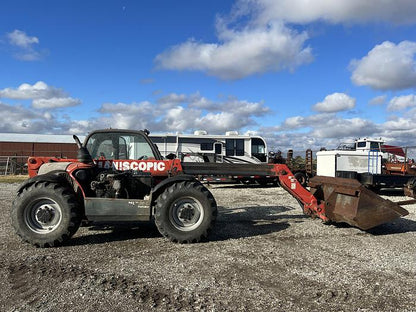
(263, 255)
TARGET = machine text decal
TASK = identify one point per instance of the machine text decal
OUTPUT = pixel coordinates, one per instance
(132, 165)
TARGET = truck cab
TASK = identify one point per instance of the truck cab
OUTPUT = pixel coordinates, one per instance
(368, 145)
(364, 144)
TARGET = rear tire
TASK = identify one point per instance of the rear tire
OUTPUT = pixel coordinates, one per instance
(46, 214)
(185, 212)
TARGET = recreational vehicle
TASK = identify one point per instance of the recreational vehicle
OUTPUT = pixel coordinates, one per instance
(202, 147)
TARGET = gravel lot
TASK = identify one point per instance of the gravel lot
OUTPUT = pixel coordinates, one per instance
(263, 255)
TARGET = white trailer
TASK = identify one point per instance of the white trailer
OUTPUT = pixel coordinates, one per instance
(202, 147)
(362, 156)
(368, 161)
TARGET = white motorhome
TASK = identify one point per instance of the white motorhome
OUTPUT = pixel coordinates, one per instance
(202, 147)
(361, 156)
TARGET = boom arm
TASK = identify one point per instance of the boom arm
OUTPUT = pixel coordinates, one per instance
(311, 205)
(330, 199)
(292, 186)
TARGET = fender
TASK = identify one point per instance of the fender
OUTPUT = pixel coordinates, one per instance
(158, 189)
(56, 176)
(53, 166)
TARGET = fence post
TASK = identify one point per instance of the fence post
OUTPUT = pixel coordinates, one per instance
(7, 166)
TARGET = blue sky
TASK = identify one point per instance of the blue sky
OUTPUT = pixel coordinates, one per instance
(303, 74)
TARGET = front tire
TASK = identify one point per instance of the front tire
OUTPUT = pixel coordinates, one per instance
(185, 212)
(46, 214)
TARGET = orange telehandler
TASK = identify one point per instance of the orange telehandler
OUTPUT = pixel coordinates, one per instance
(119, 175)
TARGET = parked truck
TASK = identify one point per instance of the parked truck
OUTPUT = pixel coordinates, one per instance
(120, 175)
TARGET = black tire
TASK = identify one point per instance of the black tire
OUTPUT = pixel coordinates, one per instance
(46, 214)
(301, 177)
(185, 212)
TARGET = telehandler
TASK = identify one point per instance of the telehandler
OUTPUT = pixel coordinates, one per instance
(120, 175)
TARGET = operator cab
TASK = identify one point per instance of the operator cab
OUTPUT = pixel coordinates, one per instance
(369, 144)
(374, 145)
(113, 144)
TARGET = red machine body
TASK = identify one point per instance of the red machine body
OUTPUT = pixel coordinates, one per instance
(119, 175)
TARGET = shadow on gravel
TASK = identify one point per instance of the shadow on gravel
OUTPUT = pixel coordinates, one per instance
(114, 232)
(231, 224)
(252, 221)
(401, 225)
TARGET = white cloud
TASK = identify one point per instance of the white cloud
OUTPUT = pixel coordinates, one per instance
(259, 36)
(55, 102)
(172, 100)
(378, 100)
(294, 122)
(42, 95)
(20, 39)
(299, 122)
(335, 102)
(401, 102)
(340, 127)
(316, 131)
(25, 91)
(173, 112)
(400, 124)
(183, 112)
(179, 119)
(339, 11)
(25, 48)
(142, 108)
(241, 53)
(22, 120)
(387, 67)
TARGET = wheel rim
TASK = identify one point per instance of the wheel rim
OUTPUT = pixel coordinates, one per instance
(186, 214)
(43, 216)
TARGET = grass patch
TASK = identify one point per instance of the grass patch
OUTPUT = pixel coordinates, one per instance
(13, 178)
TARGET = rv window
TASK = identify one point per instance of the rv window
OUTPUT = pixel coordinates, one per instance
(258, 149)
(229, 147)
(234, 147)
(218, 148)
(207, 146)
(257, 146)
(239, 148)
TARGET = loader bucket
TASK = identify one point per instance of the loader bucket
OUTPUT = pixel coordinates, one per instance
(347, 200)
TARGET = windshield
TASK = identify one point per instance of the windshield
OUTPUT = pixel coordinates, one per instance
(350, 146)
(116, 145)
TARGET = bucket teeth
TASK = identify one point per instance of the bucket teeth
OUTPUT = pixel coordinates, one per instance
(347, 200)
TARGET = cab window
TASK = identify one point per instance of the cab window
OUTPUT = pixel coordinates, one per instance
(119, 146)
(375, 146)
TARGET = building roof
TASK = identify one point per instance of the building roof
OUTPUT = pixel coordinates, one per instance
(38, 138)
